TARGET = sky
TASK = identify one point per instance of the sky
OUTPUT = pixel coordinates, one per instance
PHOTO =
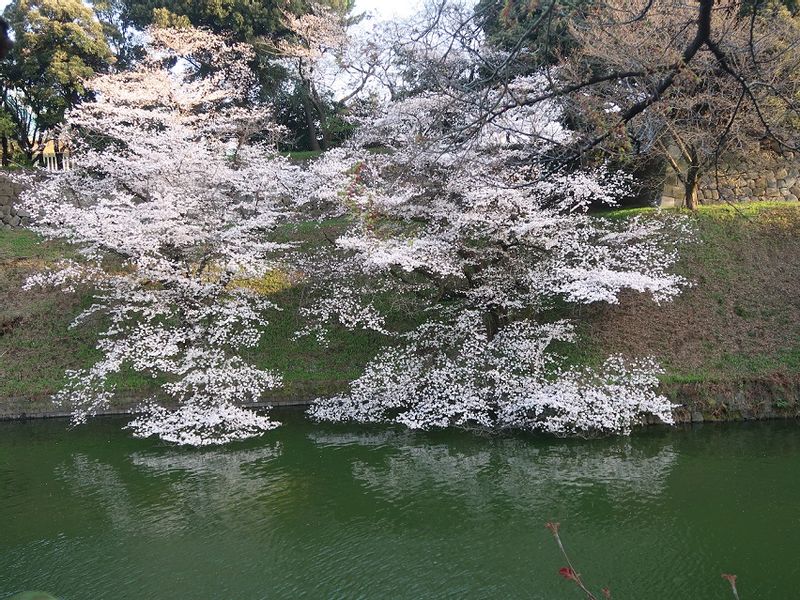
(389, 9)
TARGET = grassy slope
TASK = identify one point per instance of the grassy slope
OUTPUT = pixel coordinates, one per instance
(37, 345)
(741, 319)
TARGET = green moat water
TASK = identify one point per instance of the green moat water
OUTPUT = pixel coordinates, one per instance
(320, 511)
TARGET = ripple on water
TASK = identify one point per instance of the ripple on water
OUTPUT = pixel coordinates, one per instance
(357, 512)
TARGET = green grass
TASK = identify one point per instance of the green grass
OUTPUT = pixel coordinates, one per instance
(623, 213)
(747, 330)
(309, 365)
(19, 244)
(37, 344)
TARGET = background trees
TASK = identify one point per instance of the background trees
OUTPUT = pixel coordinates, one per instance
(61, 44)
(641, 82)
(688, 84)
(542, 29)
(300, 106)
(313, 38)
(57, 45)
(595, 55)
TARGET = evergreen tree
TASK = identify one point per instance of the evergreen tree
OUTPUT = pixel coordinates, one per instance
(58, 44)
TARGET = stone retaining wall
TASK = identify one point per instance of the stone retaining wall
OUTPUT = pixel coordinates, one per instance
(762, 175)
(13, 409)
(771, 397)
(10, 214)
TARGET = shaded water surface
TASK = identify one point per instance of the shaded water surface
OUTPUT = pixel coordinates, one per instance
(321, 511)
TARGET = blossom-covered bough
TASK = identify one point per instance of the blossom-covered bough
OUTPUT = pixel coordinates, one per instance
(469, 216)
(170, 203)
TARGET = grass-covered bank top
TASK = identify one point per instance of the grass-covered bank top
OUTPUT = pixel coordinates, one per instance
(741, 317)
(740, 320)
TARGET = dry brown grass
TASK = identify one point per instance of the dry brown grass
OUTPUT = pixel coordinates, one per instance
(741, 317)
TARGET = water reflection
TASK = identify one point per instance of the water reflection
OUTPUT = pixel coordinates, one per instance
(224, 464)
(347, 511)
(168, 485)
(509, 470)
(99, 486)
(163, 490)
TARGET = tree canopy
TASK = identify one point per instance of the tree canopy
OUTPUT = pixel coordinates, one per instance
(58, 44)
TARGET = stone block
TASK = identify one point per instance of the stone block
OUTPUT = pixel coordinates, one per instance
(761, 176)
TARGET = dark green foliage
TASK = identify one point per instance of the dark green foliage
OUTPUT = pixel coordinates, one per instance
(747, 6)
(290, 112)
(539, 26)
(58, 45)
(243, 19)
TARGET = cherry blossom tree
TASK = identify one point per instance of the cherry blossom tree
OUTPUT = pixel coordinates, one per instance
(469, 218)
(461, 220)
(169, 202)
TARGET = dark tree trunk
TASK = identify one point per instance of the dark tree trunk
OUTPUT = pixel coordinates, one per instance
(495, 319)
(692, 183)
(319, 106)
(690, 199)
(59, 155)
(4, 143)
(311, 125)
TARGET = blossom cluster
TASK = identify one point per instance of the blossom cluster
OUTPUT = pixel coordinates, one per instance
(170, 202)
(454, 375)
